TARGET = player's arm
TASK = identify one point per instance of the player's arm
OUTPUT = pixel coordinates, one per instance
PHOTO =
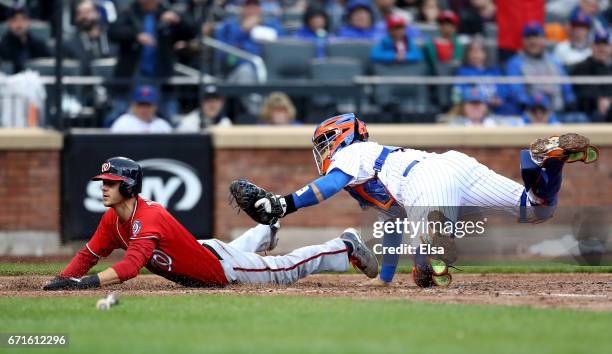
(320, 189)
(138, 253)
(313, 193)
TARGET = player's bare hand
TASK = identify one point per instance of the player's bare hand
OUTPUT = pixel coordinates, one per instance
(170, 17)
(146, 39)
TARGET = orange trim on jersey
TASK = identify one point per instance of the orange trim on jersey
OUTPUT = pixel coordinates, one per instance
(384, 206)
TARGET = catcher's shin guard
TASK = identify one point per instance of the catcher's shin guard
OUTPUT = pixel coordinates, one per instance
(438, 239)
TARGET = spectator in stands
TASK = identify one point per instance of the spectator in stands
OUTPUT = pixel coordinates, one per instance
(538, 111)
(445, 48)
(141, 116)
(474, 16)
(396, 46)
(594, 100)
(360, 22)
(335, 10)
(386, 8)
(90, 41)
(243, 32)
(592, 8)
(278, 110)
(533, 61)
(475, 64)
(428, 12)
(577, 48)
(18, 45)
(315, 28)
(473, 110)
(210, 112)
(146, 33)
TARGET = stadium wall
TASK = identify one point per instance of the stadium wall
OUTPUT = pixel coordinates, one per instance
(29, 191)
(278, 158)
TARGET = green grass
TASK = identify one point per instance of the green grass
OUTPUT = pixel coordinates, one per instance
(53, 268)
(279, 324)
(10, 269)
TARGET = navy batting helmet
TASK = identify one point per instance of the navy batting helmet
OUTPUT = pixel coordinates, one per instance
(125, 170)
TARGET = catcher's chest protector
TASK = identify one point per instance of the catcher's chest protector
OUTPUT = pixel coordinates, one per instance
(373, 193)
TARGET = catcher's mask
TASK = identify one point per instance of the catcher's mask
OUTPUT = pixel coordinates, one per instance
(125, 170)
(334, 134)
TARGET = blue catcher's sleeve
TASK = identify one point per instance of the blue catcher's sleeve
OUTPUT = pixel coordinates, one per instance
(321, 189)
(389, 261)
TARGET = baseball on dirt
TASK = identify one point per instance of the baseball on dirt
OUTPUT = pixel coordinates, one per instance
(106, 303)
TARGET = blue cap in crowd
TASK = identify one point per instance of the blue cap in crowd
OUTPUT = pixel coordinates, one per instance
(533, 29)
(145, 94)
(538, 100)
(356, 4)
(473, 94)
(579, 18)
(18, 10)
(601, 37)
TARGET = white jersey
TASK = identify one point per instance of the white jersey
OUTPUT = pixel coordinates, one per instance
(128, 124)
(357, 160)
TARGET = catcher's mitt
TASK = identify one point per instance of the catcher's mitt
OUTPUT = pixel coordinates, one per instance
(244, 194)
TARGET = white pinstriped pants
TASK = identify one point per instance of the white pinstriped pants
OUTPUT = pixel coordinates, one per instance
(446, 181)
(242, 265)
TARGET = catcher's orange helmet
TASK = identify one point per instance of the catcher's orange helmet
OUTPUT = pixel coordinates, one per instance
(334, 134)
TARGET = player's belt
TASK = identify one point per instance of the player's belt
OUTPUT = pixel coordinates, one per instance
(212, 250)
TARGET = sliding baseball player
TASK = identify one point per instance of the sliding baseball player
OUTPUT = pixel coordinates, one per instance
(154, 239)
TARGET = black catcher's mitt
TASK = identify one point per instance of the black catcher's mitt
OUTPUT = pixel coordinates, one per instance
(245, 194)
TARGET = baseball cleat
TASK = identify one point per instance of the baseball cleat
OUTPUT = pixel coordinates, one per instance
(361, 257)
(568, 148)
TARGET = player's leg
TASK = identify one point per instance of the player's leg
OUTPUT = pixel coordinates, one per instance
(541, 171)
(334, 255)
(257, 239)
(436, 197)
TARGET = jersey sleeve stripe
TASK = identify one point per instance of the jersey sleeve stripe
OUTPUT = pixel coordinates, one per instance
(139, 237)
(92, 252)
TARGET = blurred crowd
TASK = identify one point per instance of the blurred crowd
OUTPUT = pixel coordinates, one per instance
(139, 43)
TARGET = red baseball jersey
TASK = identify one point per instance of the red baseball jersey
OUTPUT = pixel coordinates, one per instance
(154, 236)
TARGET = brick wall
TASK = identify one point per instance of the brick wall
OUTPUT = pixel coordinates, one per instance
(286, 170)
(29, 190)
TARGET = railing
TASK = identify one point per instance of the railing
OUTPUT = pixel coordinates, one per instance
(260, 67)
(359, 91)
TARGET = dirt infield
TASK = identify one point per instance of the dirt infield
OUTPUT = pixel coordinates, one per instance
(577, 291)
